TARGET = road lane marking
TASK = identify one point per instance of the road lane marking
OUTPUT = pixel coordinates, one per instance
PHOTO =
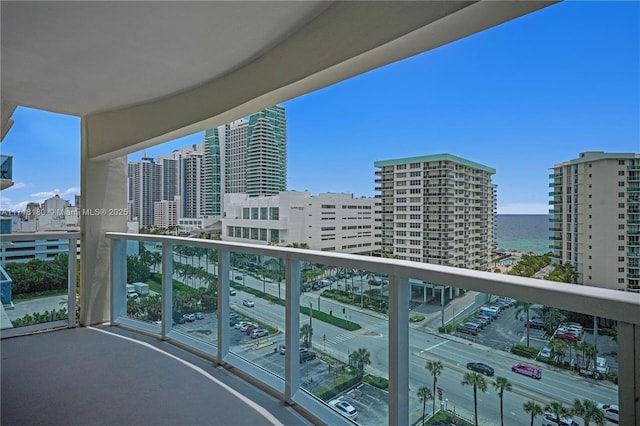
(433, 347)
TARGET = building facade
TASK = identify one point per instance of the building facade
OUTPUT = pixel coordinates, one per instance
(144, 189)
(247, 156)
(326, 222)
(595, 218)
(437, 209)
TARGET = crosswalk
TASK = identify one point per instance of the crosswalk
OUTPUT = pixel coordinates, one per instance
(340, 338)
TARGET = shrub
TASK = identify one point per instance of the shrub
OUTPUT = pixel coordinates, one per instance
(524, 351)
(379, 382)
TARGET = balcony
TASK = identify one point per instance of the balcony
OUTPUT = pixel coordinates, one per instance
(289, 306)
(6, 171)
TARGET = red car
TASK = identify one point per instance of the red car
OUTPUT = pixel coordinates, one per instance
(527, 370)
(567, 336)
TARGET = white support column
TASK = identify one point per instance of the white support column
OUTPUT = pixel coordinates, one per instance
(71, 278)
(167, 289)
(118, 295)
(629, 373)
(224, 266)
(398, 350)
(103, 186)
(292, 330)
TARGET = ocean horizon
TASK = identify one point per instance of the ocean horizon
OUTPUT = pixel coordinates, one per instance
(523, 232)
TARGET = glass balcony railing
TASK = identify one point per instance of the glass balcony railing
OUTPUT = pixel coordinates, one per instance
(6, 171)
(38, 281)
(322, 328)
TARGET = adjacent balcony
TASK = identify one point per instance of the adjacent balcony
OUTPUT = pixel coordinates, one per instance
(6, 171)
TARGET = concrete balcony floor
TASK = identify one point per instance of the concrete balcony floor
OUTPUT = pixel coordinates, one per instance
(111, 376)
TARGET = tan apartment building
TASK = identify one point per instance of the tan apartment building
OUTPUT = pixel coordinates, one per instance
(595, 218)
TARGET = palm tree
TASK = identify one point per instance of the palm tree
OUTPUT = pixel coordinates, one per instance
(558, 348)
(360, 358)
(533, 408)
(558, 410)
(424, 395)
(306, 331)
(524, 308)
(478, 381)
(502, 384)
(435, 368)
(589, 411)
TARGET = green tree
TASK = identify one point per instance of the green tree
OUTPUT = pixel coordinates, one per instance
(534, 409)
(564, 273)
(424, 395)
(552, 317)
(558, 349)
(589, 412)
(558, 410)
(360, 357)
(502, 384)
(306, 332)
(523, 308)
(137, 271)
(478, 381)
(435, 368)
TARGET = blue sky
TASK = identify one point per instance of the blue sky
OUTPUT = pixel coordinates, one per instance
(519, 97)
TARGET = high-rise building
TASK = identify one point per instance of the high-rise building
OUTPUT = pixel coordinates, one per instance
(144, 189)
(437, 209)
(246, 156)
(192, 183)
(595, 218)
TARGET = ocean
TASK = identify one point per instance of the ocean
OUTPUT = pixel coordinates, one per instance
(524, 233)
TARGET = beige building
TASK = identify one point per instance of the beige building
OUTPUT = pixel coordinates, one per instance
(327, 222)
(595, 218)
(437, 209)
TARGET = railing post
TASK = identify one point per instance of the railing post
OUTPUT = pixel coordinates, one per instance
(398, 350)
(167, 289)
(292, 330)
(118, 278)
(71, 280)
(224, 265)
(629, 373)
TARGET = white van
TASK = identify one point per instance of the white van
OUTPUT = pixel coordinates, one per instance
(601, 365)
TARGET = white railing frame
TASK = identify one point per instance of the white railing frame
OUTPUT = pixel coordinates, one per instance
(623, 307)
(72, 238)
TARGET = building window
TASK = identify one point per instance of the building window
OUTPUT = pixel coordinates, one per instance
(621, 183)
(254, 213)
(621, 162)
(620, 248)
(620, 258)
(620, 215)
(274, 213)
(621, 226)
(621, 269)
(245, 213)
(401, 175)
(620, 194)
(620, 280)
(621, 205)
(620, 237)
(620, 172)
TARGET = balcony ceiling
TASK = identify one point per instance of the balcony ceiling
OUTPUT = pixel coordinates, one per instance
(141, 73)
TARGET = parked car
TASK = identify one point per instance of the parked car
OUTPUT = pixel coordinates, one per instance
(527, 370)
(610, 412)
(545, 353)
(375, 283)
(344, 408)
(537, 324)
(199, 316)
(485, 317)
(550, 420)
(467, 330)
(232, 292)
(245, 326)
(482, 320)
(258, 332)
(248, 303)
(480, 368)
(189, 317)
(240, 324)
(306, 355)
(159, 323)
(566, 336)
(238, 278)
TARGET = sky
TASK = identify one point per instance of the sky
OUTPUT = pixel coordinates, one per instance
(520, 97)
